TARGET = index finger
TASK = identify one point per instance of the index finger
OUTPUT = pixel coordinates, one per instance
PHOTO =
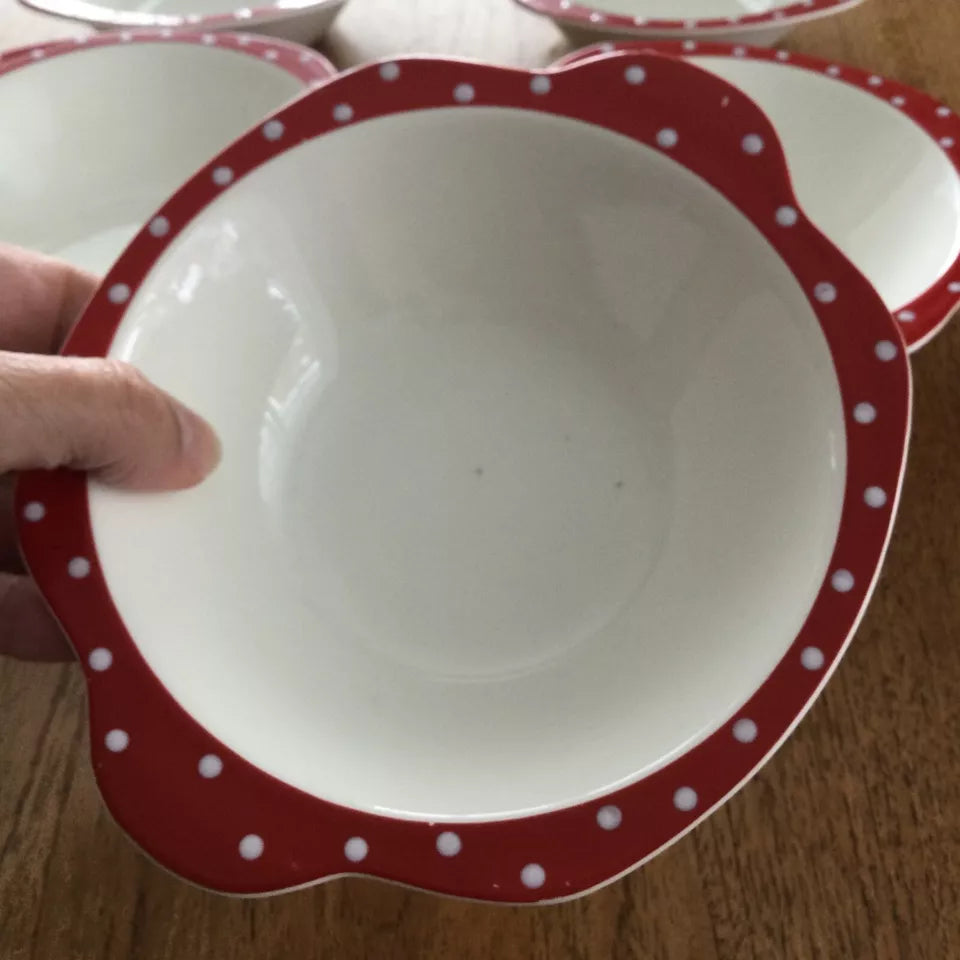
(40, 300)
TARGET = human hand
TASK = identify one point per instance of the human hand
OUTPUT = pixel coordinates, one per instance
(97, 415)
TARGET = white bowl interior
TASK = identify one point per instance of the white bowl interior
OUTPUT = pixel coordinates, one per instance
(682, 9)
(534, 461)
(878, 185)
(181, 7)
(95, 140)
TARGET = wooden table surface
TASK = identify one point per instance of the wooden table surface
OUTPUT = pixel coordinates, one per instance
(846, 845)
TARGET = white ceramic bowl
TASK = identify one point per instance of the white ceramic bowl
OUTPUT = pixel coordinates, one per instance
(875, 163)
(736, 21)
(303, 21)
(556, 477)
(99, 133)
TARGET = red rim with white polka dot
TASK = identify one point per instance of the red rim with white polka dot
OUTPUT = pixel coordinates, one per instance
(209, 815)
(784, 14)
(928, 313)
(245, 18)
(307, 65)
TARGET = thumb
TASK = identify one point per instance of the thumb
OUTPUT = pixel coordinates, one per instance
(102, 416)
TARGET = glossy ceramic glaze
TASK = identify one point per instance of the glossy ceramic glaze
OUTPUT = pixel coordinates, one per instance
(550, 491)
(303, 21)
(756, 21)
(875, 164)
(143, 113)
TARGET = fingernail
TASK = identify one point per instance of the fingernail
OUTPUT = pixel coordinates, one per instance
(200, 445)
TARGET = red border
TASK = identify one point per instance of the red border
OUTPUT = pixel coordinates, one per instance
(195, 826)
(585, 17)
(305, 64)
(98, 15)
(925, 316)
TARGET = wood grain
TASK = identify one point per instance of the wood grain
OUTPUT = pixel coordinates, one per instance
(847, 845)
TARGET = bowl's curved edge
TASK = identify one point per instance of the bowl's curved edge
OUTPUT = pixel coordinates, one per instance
(240, 831)
(929, 313)
(308, 66)
(590, 18)
(103, 17)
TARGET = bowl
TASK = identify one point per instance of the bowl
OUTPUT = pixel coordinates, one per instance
(303, 21)
(737, 21)
(556, 477)
(144, 110)
(875, 163)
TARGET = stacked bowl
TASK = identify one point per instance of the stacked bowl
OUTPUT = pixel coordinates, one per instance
(564, 416)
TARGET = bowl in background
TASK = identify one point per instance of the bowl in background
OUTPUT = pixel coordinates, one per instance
(102, 130)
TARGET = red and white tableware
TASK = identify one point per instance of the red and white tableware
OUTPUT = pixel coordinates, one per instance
(735, 21)
(875, 164)
(303, 21)
(104, 129)
(561, 452)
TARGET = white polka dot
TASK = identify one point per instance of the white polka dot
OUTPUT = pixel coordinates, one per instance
(825, 292)
(222, 176)
(875, 81)
(116, 741)
(78, 568)
(639, 21)
(37, 54)
(273, 129)
(251, 847)
(906, 316)
(745, 730)
(609, 817)
(739, 51)
(842, 581)
(864, 413)
(783, 55)
(668, 138)
(690, 24)
(943, 111)
(898, 101)
(685, 799)
(270, 55)
(635, 74)
(448, 844)
(752, 143)
(533, 876)
(875, 497)
(885, 350)
(355, 849)
(125, 37)
(209, 39)
(606, 47)
(954, 287)
(833, 70)
(118, 293)
(540, 84)
(166, 33)
(463, 93)
(210, 766)
(343, 113)
(389, 71)
(242, 39)
(34, 511)
(596, 17)
(100, 659)
(812, 658)
(787, 216)
(690, 45)
(947, 142)
(244, 13)
(159, 227)
(778, 14)
(566, 4)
